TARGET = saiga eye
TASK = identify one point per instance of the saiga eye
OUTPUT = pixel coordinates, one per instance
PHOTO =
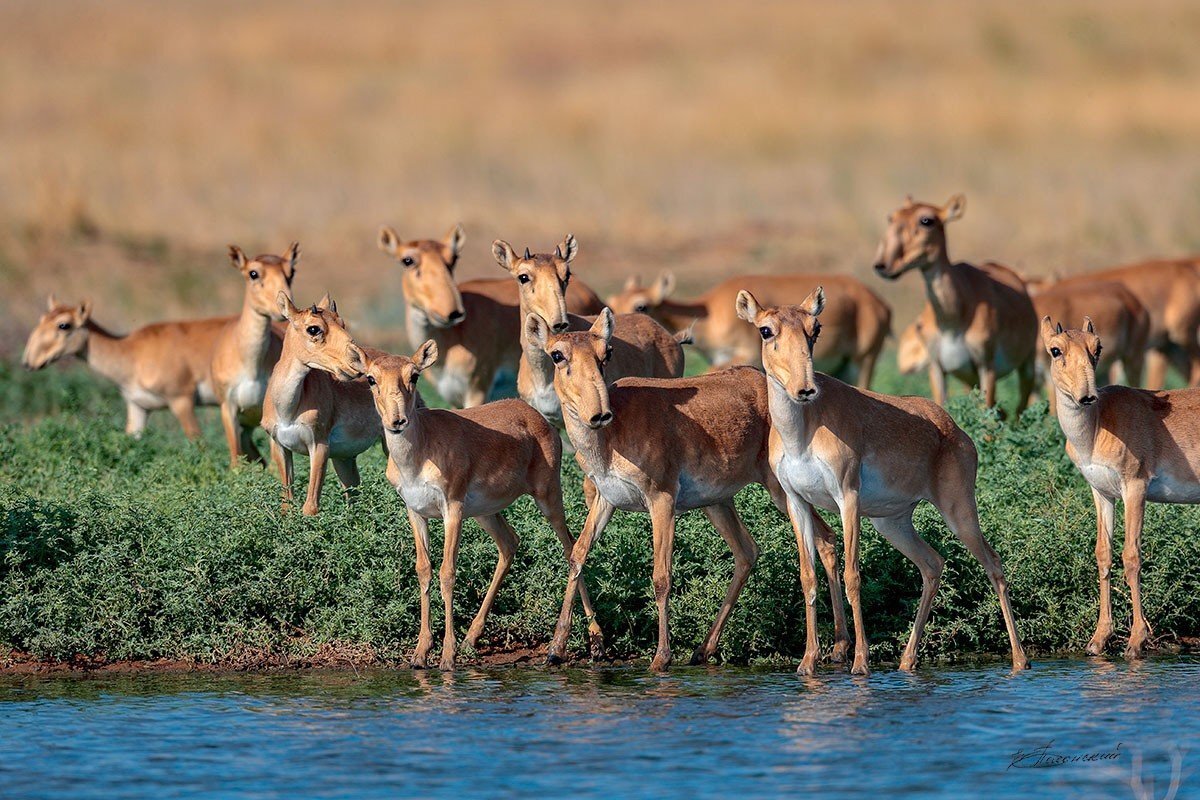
(253, 274)
(313, 330)
(765, 332)
(407, 261)
(370, 380)
(523, 278)
(556, 357)
(1055, 352)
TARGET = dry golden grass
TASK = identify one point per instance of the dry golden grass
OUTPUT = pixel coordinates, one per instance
(139, 138)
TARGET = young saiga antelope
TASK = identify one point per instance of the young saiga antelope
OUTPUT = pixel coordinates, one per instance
(865, 454)
(313, 405)
(164, 365)
(475, 324)
(451, 465)
(249, 346)
(985, 323)
(1132, 444)
(667, 446)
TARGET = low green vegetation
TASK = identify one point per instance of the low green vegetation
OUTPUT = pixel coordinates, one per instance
(112, 549)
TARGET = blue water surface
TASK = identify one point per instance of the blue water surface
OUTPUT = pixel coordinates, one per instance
(611, 733)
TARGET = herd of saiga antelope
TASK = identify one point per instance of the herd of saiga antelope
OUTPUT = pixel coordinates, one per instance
(650, 440)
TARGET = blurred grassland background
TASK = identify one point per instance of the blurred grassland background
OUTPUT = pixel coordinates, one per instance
(712, 138)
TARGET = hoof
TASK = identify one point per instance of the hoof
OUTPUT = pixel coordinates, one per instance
(1095, 648)
(907, 665)
(419, 663)
(446, 664)
(660, 663)
(699, 656)
(840, 651)
(807, 669)
(596, 646)
(1020, 664)
(860, 668)
(1133, 652)
(553, 659)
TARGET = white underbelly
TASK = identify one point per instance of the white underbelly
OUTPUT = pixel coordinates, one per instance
(810, 478)
(294, 437)
(452, 386)
(545, 400)
(424, 498)
(1103, 479)
(695, 492)
(143, 398)
(952, 352)
(620, 492)
(344, 443)
(205, 394)
(248, 393)
(1170, 489)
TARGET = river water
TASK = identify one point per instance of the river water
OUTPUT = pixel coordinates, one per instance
(949, 732)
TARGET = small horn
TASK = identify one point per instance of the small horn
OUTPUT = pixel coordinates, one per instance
(558, 251)
(527, 253)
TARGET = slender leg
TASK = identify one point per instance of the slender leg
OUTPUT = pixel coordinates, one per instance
(599, 514)
(745, 553)
(801, 515)
(962, 516)
(662, 520)
(550, 504)
(1052, 396)
(866, 370)
(184, 409)
(506, 543)
(233, 432)
(420, 528)
(1134, 497)
(987, 382)
(283, 465)
(903, 536)
(347, 472)
(937, 383)
(1105, 519)
(135, 419)
(453, 525)
(851, 527)
(249, 448)
(1026, 375)
(1156, 369)
(317, 458)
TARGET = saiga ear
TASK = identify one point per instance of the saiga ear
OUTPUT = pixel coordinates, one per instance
(51, 302)
(1088, 326)
(388, 241)
(537, 329)
(425, 356)
(237, 257)
(84, 313)
(455, 240)
(285, 305)
(603, 326)
(1047, 332)
(504, 254)
(663, 287)
(569, 248)
(290, 259)
(631, 283)
(326, 302)
(747, 306)
(953, 209)
(814, 304)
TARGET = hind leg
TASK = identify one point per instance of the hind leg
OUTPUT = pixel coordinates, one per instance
(184, 409)
(899, 531)
(135, 419)
(1026, 376)
(347, 472)
(745, 553)
(599, 514)
(1156, 369)
(550, 504)
(506, 543)
(1105, 518)
(866, 370)
(1134, 497)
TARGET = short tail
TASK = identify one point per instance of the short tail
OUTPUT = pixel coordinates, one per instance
(685, 336)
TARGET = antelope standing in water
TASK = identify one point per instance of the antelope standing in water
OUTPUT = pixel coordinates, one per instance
(314, 405)
(860, 453)
(163, 365)
(986, 326)
(1132, 444)
(249, 346)
(1169, 289)
(475, 324)
(473, 462)
(666, 446)
(859, 320)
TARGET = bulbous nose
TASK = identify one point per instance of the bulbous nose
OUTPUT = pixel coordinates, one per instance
(1087, 399)
(456, 316)
(880, 266)
(559, 327)
(601, 419)
(398, 423)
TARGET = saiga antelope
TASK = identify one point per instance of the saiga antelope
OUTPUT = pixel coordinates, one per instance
(1116, 313)
(666, 446)
(475, 324)
(313, 404)
(249, 346)
(859, 320)
(1169, 289)
(860, 453)
(986, 326)
(163, 365)
(452, 465)
(1128, 443)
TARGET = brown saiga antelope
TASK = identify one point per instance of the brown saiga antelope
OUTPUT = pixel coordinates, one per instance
(313, 405)
(1128, 443)
(475, 324)
(1116, 313)
(666, 446)
(986, 326)
(473, 462)
(859, 320)
(163, 365)
(865, 454)
(1169, 289)
(249, 346)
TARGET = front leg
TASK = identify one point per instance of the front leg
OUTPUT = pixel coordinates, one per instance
(801, 515)
(318, 456)
(347, 472)
(283, 465)
(420, 528)
(135, 419)
(453, 525)
(851, 525)
(987, 382)
(1105, 518)
(662, 519)
(599, 513)
(937, 382)
(1134, 497)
